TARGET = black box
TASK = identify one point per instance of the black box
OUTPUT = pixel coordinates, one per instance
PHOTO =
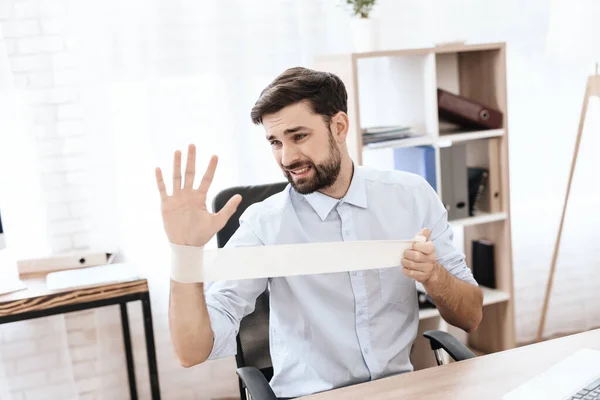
(483, 263)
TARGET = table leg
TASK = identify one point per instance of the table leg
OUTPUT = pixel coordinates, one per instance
(150, 348)
(128, 351)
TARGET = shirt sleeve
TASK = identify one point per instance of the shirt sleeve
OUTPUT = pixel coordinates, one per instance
(230, 301)
(436, 219)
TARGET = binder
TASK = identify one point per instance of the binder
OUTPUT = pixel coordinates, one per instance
(486, 154)
(467, 112)
(419, 160)
(491, 201)
(455, 191)
(477, 181)
(59, 262)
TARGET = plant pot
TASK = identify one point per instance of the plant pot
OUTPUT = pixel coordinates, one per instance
(365, 34)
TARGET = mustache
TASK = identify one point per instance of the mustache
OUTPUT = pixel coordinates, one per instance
(298, 164)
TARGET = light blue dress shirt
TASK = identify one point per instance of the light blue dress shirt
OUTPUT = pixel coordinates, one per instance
(336, 329)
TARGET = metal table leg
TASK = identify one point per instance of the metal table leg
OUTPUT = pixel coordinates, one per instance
(128, 351)
(150, 348)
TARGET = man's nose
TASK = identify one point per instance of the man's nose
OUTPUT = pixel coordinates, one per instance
(289, 155)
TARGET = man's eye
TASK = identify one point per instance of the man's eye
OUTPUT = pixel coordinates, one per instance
(275, 143)
(299, 136)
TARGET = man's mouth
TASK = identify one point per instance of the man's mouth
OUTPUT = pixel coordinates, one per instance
(300, 172)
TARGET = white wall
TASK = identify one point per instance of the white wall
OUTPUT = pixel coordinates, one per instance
(544, 100)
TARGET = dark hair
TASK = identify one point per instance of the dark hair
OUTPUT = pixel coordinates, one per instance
(324, 91)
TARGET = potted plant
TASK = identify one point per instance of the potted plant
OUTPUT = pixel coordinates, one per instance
(364, 28)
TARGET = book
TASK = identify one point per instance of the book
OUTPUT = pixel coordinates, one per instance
(374, 130)
(379, 134)
(386, 137)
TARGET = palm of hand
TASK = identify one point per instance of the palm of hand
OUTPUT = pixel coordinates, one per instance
(186, 219)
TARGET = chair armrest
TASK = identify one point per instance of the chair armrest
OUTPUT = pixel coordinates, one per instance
(444, 340)
(255, 382)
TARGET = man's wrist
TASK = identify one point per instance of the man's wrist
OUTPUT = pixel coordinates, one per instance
(437, 276)
(187, 263)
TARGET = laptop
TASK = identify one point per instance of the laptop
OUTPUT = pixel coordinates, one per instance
(575, 377)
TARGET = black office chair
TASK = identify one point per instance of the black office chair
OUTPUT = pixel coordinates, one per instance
(253, 358)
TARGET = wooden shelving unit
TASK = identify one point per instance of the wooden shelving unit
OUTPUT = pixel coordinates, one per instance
(399, 87)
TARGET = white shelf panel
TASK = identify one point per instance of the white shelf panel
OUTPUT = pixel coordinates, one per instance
(480, 218)
(493, 296)
(428, 313)
(443, 141)
(409, 142)
(490, 296)
(449, 139)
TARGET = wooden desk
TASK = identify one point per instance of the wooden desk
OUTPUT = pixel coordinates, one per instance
(37, 301)
(485, 377)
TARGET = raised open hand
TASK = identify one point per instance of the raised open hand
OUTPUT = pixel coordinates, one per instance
(186, 219)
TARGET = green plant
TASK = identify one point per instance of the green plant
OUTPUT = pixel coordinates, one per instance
(361, 8)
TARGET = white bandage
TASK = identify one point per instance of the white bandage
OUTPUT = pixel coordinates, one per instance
(187, 263)
(195, 264)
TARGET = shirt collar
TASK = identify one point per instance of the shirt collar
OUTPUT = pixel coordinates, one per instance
(356, 195)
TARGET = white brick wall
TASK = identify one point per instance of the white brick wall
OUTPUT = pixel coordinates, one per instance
(21, 28)
(42, 44)
(41, 79)
(54, 26)
(25, 9)
(55, 357)
(27, 63)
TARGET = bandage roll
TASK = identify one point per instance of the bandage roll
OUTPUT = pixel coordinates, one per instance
(195, 264)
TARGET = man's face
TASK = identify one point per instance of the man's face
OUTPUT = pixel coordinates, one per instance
(304, 147)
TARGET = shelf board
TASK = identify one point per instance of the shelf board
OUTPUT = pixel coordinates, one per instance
(449, 48)
(426, 313)
(480, 218)
(451, 138)
(408, 142)
(493, 296)
(490, 296)
(445, 140)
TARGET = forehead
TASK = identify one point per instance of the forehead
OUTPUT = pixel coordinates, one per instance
(292, 116)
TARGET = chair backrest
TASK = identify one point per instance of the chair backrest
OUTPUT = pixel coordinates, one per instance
(253, 337)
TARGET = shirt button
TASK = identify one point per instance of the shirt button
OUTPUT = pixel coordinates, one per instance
(347, 231)
(366, 351)
(354, 273)
(361, 312)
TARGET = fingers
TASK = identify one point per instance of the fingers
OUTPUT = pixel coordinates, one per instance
(228, 210)
(413, 265)
(425, 248)
(160, 183)
(177, 171)
(208, 175)
(416, 256)
(190, 168)
(416, 275)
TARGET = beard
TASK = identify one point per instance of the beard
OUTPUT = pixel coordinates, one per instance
(325, 174)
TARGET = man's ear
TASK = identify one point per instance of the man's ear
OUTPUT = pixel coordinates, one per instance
(340, 123)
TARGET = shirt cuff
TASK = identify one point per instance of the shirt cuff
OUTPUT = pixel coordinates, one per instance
(187, 263)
